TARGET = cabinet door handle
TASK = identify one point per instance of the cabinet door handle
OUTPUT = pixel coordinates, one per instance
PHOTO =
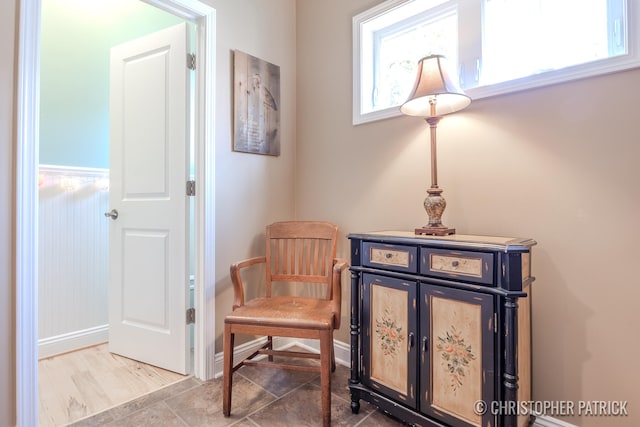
(411, 340)
(425, 344)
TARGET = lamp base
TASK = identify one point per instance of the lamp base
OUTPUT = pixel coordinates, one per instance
(435, 204)
(436, 231)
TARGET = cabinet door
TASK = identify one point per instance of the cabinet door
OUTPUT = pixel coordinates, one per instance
(389, 353)
(456, 360)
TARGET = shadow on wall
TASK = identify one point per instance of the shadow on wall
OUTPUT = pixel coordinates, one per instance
(253, 278)
(563, 353)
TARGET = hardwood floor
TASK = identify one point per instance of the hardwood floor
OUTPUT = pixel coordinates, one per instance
(75, 385)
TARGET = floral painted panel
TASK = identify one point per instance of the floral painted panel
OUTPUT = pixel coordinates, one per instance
(456, 360)
(389, 330)
(457, 355)
(389, 333)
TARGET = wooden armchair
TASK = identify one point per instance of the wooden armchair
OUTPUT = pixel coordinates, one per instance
(298, 253)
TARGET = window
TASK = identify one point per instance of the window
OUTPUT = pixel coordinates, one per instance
(498, 46)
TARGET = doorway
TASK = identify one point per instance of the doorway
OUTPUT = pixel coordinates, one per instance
(75, 166)
(26, 201)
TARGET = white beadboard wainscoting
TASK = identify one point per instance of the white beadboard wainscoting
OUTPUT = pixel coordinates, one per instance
(73, 258)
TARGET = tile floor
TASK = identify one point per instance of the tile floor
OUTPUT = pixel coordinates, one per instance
(261, 397)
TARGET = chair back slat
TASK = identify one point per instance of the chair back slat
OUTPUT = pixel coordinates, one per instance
(292, 265)
(301, 252)
(304, 260)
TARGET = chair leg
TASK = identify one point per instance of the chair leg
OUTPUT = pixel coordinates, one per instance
(325, 375)
(227, 370)
(270, 347)
(333, 356)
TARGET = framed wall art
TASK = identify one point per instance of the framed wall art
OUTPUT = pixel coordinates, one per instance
(256, 105)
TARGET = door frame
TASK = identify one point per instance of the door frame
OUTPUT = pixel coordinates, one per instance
(26, 198)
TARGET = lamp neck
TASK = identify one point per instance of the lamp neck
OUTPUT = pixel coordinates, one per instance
(433, 124)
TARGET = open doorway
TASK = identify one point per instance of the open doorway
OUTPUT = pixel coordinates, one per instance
(77, 251)
(74, 163)
(26, 202)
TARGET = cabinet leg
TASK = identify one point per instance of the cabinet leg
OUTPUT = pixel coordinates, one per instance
(355, 406)
(510, 375)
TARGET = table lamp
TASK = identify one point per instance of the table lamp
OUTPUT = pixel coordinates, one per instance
(436, 92)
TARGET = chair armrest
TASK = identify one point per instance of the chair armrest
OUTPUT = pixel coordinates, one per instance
(236, 278)
(339, 265)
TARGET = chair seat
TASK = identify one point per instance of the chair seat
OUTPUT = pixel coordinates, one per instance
(285, 311)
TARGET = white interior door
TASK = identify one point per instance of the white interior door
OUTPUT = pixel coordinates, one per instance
(148, 241)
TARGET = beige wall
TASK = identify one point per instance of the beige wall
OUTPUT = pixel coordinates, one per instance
(251, 190)
(557, 164)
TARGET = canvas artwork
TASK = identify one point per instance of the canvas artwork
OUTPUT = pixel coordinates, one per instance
(256, 105)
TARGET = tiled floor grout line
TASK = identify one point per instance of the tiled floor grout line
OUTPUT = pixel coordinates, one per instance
(257, 385)
(177, 415)
(164, 402)
(370, 414)
(277, 398)
(108, 411)
(251, 421)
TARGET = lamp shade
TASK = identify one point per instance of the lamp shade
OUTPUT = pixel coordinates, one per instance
(435, 82)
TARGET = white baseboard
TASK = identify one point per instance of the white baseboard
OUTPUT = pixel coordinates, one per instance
(546, 421)
(64, 343)
(240, 352)
(342, 350)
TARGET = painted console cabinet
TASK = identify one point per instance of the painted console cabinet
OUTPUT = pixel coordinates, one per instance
(441, 327)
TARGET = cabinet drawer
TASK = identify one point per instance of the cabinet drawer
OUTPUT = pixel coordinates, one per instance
(390, 257)
(466, 265)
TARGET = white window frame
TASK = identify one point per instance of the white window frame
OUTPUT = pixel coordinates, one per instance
(363, 47)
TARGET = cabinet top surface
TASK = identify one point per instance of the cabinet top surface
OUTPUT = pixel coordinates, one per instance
(488, 242)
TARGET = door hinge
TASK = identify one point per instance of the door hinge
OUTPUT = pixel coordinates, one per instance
(191, 188)
(191, 316)
(191, 61)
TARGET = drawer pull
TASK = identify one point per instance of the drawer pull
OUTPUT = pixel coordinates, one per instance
(411, 340)
(388, 255)
(455, 263)
(425, 344)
